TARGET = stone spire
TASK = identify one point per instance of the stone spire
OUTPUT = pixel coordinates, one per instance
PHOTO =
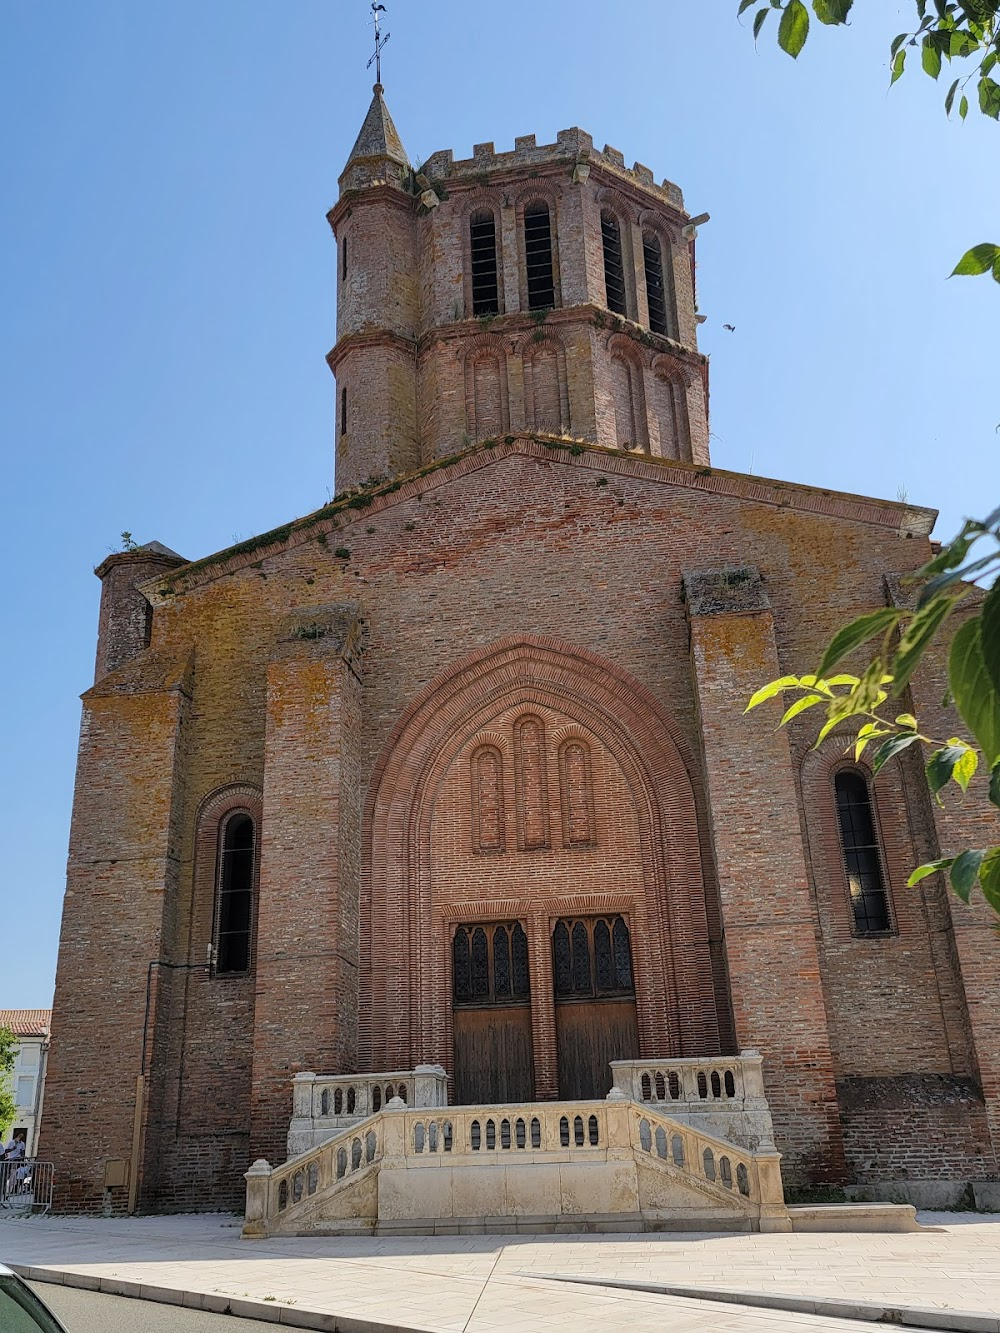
(378, 155)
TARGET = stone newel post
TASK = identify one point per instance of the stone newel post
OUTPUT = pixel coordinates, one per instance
(258, 1179)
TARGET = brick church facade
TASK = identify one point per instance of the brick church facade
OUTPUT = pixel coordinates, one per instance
(454, 770)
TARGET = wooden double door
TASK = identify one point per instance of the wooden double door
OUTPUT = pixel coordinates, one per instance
(593, 996)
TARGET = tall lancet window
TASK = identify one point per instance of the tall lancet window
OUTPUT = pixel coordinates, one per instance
(531, 784)
(656, 290)
(235, 895)
(483, 249)
(539, 271)
(862, 854)
(614, 268)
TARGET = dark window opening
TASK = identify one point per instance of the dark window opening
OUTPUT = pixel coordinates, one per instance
(614, 270)
(538, 257)
(343, 258)
(862, 859)
(490, 964)
(343, 411)
(235, 895)
(592, 958)
(656, 296)
(485, 282)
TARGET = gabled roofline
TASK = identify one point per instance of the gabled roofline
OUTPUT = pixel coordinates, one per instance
(905, 519)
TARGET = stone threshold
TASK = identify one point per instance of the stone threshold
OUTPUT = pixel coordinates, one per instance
(875, 1312)
(216, 1302)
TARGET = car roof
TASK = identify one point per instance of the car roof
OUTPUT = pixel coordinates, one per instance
(5, 1271)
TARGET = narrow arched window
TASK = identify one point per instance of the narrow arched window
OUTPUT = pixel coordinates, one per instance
(343, 258)
(656, 292)
(236, 870)
(862, 855)
(483, 247)
(539, 272)
(343, 411)
(614, 268)
(487, 800)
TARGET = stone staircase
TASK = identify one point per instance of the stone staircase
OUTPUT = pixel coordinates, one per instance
(614, 1165)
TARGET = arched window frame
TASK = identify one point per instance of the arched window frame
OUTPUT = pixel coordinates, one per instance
(531, 348)
(652, 231)
(623, 351)
(886, 883)
(477, 757)
(569, 841)
(487, 347)
(477, 207)
(614, 254)
(524, 205)
(215, 812)
(524, 814)
(220, 865)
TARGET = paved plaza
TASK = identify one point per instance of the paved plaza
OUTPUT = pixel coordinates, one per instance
(529, 1284)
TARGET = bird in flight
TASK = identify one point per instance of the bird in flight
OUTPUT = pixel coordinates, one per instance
(730, 327)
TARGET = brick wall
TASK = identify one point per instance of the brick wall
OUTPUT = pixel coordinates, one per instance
(575, 562)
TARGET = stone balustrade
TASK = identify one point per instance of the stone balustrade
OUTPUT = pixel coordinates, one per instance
(323, 1104)
(652, 1169)
(723, 1095)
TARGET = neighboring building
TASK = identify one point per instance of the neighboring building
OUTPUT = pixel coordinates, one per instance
(31, 1028)
(454, 770)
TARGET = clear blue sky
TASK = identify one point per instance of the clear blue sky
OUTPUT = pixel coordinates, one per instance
(167, 284)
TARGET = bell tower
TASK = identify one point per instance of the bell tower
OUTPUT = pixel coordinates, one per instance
(549, 289)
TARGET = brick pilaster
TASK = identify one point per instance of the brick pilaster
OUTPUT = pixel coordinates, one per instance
(960, 823)
(119, 919)
(768, 920)
(307, 931)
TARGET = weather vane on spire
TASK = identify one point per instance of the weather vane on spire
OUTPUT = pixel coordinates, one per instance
(380, 41)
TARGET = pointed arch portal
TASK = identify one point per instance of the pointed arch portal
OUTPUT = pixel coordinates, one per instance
(532, 787)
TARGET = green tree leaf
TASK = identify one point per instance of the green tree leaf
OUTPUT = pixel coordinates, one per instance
(930, 57)
(980, 259)
(989, 98)
(963, 107)
(995, 783)
(744, 5)
(855, 634)
(890, 748)
(758, 22)
(965, 768)
(769, 690)
(898, 63)
(941, 765)
(800, 706)
(989, 878)
(915, 638)
(965, 872)
(928, 868)
(949, 97)
(832, 11)
(989, 635)
(975, 697)
(794, 28)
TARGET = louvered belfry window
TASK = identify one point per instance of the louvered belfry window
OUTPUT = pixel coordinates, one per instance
(614, 269)
(862, 856)
(656, 296)
(485, 283)
(538, 257)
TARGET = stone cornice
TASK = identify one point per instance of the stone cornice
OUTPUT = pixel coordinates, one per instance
(382, 193)
(352, 342)
(515, 324)
(889, 515)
